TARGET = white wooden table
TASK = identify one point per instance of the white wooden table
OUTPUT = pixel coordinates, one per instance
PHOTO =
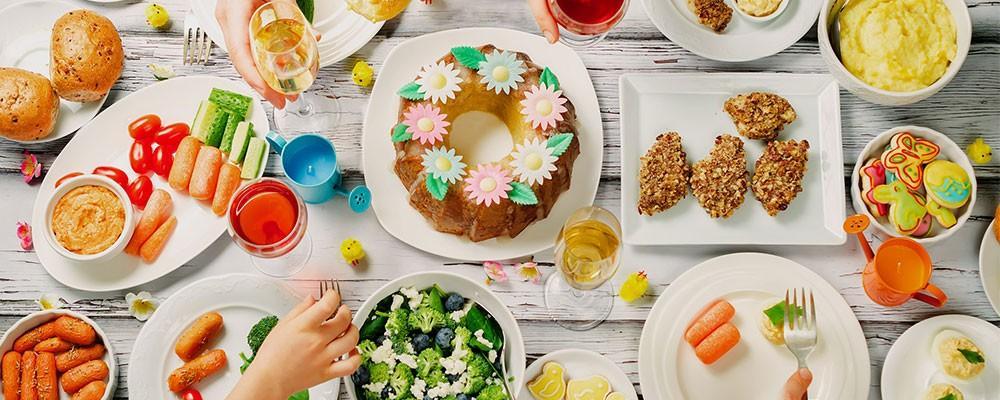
(969, 107)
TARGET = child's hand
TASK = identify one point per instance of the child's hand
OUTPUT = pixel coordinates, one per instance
(797, 385)
(303, 351)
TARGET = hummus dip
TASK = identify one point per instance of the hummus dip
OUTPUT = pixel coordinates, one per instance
(759, 8)
(897, 45)
(88, 219)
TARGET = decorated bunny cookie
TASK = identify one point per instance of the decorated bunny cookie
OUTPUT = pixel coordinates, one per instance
(943, 215)
(906, 209)
(906, 155)
(947, 184)
(872, 175)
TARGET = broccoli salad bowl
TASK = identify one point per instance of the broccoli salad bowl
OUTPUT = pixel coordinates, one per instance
(436, 336)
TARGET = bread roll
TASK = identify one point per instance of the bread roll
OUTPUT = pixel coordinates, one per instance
(28, 105)
(87, 56)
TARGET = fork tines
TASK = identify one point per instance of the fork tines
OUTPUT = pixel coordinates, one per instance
(328, 285)
(197, 46)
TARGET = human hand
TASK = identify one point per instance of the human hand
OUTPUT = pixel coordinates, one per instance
(797, 385)
(234, 18)
(302, 351)
(544, 19)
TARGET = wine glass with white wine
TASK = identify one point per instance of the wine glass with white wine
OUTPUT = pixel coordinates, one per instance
(287, 57)
(587, 253)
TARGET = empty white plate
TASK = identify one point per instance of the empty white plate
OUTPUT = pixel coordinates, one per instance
(989, 267)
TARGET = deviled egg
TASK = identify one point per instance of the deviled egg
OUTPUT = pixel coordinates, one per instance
(940, 391)
(957, 355)
(772, 320)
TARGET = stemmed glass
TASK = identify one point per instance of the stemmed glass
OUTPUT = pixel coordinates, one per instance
(587, 254)
(583, 23)
(267, 219)
(287, 56)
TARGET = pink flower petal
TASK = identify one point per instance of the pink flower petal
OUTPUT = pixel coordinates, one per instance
(494, 272)
(30, 167)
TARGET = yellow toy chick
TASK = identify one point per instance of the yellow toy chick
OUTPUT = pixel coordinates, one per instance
(363, 74)
(352, 251)
(979, 152)
(635, 287)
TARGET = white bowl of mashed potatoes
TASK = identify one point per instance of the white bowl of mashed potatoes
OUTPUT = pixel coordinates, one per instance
(89, 218)
(894, 52)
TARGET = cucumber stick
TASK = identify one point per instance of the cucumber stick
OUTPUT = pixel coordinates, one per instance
(227, 136)
(241, 138)
(254, 160)
(217, 129)
(201, 126)
(233, 103)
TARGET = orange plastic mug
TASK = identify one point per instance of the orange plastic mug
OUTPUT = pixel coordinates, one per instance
(899, 271)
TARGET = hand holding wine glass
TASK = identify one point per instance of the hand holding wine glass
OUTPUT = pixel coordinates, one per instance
(234, 17)
(577, 23)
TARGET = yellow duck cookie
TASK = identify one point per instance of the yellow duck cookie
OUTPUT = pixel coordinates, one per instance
(615, 396)
(594, 388)
(551, 384)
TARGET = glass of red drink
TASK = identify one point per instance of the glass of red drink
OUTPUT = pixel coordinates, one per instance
(583, 23)
(268, 220)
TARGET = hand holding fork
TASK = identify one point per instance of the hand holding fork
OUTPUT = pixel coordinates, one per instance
(800, 338)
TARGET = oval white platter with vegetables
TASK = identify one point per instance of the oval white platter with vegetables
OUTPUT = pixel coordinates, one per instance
(225, 150)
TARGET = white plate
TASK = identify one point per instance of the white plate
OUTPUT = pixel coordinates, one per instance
(242, 300)
(743, 40)
(344, 31)
(989, 267)
(391, 202)
(581, 364)
(691, 104)
(25, 33)
(755, 368)
(105, 141)
(910, 366)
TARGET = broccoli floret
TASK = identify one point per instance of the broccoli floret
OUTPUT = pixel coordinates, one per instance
(428, 361)
(478, 369)
(402, 379)
(260, 331)
(366, 348)
(398, 323)
(370, 395)
(401, 345)
(379, 372)
(492, 392)
(435, 378)
(462, 335)
(474, 385)
(426, 319)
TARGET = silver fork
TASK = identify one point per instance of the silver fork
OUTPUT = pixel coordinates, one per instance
(800, 326)
(328, 285)
(197, 45)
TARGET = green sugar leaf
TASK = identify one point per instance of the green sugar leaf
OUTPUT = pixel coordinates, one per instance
(972, 356)
(411, 91)
(468, 56)
(549, 79)
(399, 133)
(559, 143)
(777, 313)
(436, 187)
(522, 194)
(949, 396)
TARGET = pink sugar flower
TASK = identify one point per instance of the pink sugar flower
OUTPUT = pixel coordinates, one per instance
(488, 183)
(426, 123)
(543, 107)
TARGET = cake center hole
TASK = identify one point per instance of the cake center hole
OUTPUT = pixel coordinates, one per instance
(480, 137)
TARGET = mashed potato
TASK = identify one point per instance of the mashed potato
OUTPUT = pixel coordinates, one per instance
(897, 45)
(953, 350)
(938, 391)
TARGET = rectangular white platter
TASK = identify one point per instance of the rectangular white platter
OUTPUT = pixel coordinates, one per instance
(692, 104)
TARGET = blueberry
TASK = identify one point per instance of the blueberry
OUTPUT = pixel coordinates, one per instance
(451, 378)
(444, 338)
(386, 392)
(361, 376)
(381, 339)
(461, 396)
(454, 302)
(421, 342)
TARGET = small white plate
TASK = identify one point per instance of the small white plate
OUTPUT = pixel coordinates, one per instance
(242, 300)
(755, 369)
(743, 39)
(344, 31)
(581, 364)
(989, 267)
(25, 36)
(105, 141)
(910, 366)
(390, 200)
(691, 104)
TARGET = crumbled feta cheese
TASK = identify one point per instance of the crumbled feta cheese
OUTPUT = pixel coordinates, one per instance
(479, 338)
(458, 315)
(460, 349)
(375, 387)
(407, 360)
(397, 301)
(384, 354)
(418, 387)
(492, 356)
(453, 366)
(442, 390)
(414, 295)
(409, 348)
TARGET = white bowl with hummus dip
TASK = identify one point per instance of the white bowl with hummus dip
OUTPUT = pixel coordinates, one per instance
(89, 218)
(943, 42)
(761, 10)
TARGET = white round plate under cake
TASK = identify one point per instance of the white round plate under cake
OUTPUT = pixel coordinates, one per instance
(581, 364)
(989, 267)
(390, 199)
(743, 40)
(25, 37)
(755, 369)
(344, 31)
(242, 300)
(105, 141)
(910, 366)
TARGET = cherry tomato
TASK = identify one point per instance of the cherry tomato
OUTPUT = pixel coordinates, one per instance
(163, 159)
(67, 177)
(139, 191)
(117, 175)
(144, 128)
(190, 394)
(171, 135)
(140, 157)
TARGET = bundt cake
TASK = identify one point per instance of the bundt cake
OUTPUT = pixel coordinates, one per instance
(492, 199)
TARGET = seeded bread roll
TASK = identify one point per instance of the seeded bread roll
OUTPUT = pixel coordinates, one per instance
(28, 105)
(87, 56)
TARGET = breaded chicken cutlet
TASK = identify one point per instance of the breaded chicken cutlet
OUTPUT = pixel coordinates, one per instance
(663, 174)
(714, 14)
(778, 174)
(759, 115)
(720, 180)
